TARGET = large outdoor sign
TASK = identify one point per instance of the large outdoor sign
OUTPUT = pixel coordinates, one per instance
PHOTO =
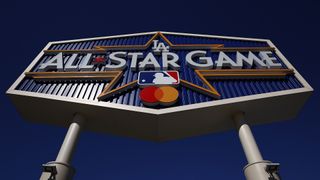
(160, 85)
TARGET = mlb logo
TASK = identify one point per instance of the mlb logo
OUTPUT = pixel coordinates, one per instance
(158, 78)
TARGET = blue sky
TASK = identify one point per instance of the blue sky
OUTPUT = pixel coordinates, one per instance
(28, 25)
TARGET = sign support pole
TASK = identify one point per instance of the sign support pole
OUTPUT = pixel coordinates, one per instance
(257, 168)
(61, 168)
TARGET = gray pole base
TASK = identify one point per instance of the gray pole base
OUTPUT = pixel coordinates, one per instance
(61, 168)
(57, 171)
(259, 171)
(257, 168)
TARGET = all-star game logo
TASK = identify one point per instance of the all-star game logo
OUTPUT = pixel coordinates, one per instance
(159, 64)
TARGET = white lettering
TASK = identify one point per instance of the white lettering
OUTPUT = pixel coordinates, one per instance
(149, 62)
(170, 59)
(252, 59)
(204, 62)
(70, 66)
(270, 61)
(55, 63)
(134, 59)
(85, 63)
(117, 59)
(226, 61)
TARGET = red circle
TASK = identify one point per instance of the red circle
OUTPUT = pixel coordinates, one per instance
(147, 95)
(164, 95)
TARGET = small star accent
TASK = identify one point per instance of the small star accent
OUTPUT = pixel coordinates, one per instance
(99, 61)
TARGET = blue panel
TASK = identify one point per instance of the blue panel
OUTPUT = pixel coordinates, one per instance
(177, 39)
(227, 88)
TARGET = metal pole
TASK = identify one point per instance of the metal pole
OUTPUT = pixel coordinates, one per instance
(60, 169)
(257, 168)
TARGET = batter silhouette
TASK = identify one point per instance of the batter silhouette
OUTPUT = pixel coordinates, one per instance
(160, 79)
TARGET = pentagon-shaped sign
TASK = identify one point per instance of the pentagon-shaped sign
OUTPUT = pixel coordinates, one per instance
(159, 85)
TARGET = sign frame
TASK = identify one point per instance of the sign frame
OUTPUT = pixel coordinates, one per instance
(162, 123)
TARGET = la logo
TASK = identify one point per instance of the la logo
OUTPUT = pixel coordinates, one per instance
(159, 47)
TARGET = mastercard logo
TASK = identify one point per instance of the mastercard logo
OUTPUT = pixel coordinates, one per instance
(163, 95)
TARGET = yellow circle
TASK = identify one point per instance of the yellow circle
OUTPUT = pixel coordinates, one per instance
(169, 95)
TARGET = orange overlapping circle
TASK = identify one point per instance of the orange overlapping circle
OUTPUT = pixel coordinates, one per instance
(164, 95)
